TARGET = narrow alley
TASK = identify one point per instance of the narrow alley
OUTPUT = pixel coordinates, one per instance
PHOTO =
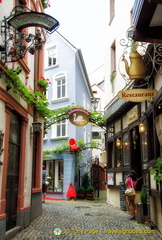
(85, 220)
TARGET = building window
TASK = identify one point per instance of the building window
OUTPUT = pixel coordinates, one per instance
(126, 149)
(60, 86)
(96, 135)
(59, 129)
(52, 56)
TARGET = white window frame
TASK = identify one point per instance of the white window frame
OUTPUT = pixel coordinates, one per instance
(56, 78)
(54, 129)
(53, 55)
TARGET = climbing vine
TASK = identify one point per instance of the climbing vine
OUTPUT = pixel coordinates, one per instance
(39, 101)
(65, 146)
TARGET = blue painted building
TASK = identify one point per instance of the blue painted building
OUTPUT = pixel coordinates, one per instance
(65, 68)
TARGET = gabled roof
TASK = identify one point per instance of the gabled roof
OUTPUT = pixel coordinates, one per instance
(95, 84)
(81, 62)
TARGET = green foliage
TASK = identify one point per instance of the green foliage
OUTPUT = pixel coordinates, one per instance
(143, 195)
(112, 76)
(97, 118)
(45, 3)
(37, 99)
(81, 144)
(133, 46)
(156, 170)
(90, 189)
(85, 180)
(95, 144)
(43, 83)
(81, 190)
(41, 103)
(62, 146)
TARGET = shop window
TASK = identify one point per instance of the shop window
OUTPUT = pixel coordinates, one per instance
(110, 155)
(126, 149)
(118, 152)
(55, 175)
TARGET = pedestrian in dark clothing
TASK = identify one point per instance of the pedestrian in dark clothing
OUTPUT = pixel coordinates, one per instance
(44, 186)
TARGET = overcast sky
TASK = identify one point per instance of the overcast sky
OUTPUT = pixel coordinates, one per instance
(81, 23)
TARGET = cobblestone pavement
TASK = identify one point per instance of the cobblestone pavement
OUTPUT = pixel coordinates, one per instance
(85, 220)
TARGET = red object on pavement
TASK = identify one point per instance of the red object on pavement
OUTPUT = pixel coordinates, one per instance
(0, 1)
(71, 191)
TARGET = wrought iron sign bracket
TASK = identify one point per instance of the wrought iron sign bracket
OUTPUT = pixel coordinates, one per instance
(144, 58)
(17, 41)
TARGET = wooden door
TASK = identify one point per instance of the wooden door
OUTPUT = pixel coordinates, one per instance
(13, 172)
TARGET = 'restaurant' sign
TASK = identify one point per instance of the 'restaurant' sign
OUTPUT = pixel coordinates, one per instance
(137, 95)
(33, 19)
(78, 116)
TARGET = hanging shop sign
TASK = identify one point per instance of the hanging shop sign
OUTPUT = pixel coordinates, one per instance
(78, 116)
(33, 19)
(137, 95)
(133, 114)
(158, 124)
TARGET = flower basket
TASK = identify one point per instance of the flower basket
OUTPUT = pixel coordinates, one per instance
(43, 83)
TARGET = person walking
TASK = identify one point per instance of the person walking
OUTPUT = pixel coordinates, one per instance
(130, 182)
(44, 186)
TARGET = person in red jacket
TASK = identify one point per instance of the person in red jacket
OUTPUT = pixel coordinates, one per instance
(130, 182)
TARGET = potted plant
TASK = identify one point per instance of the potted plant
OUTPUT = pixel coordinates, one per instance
(143, 199)
(81, 193)
(85, 180)
(90, 193)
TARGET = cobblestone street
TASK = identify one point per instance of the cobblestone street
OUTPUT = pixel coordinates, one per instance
(85, 220)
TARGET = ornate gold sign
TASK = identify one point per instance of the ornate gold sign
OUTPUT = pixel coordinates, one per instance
(78, 116)
(137, 95)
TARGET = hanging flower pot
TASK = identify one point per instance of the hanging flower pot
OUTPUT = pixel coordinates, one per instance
(43, 83)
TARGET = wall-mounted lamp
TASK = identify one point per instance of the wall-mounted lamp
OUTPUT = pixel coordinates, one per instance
(1, 141)
(141, 128)
(36, 127)
(118, 143)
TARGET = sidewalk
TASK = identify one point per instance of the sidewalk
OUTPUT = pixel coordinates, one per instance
(85, 220)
